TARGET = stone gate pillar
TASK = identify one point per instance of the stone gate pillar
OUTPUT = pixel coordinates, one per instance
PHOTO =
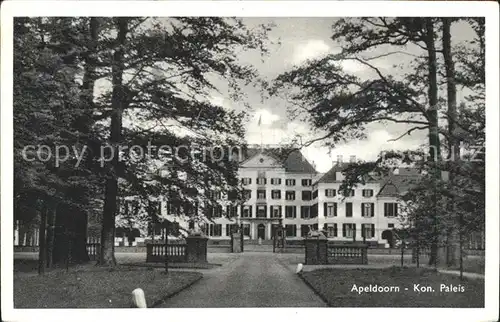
(236, 242)
(316, 249)
(196, 248)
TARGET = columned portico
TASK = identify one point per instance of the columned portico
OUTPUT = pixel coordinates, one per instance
(261, 227)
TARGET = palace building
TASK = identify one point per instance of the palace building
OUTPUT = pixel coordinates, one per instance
(283, 188)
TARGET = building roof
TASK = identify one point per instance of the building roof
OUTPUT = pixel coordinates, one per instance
(331, 175)
(397, 184)
(292, 159)
(392, 185)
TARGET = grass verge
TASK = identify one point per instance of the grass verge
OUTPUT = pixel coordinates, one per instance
(340, 288)
(98, 288)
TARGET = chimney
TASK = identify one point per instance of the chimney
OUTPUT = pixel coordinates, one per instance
(339, 159)
(352, 159)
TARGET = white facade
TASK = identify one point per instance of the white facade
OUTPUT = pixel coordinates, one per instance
(342, 220)
(280, 194)
(374, 219)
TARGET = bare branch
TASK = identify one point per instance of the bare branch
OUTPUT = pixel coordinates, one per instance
(391, 53)
(409, 132)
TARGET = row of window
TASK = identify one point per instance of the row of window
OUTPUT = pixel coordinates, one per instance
(307, 212)
(367, 209)
(331, 230)
(290, 194)
(306, 195)
(276, 181)
(332, 193)
(215, 230)
(330, 209)
(349, 230)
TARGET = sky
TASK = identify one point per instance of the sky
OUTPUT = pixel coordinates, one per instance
(292, 41)
(296, 40)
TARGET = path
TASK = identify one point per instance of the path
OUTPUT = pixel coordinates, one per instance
(249, 280)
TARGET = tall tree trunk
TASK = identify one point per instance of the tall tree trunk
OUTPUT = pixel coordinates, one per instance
(42, 242)
(118, 102)
(69, 236)
(434, 145)
(52, 207)
(453, 242)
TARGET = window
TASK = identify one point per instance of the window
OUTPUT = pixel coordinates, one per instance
(275, 181)
(330, 192)
(314, 211)
(246, 211)
(331, 230)
(231, 228)
(215, 195)
(246, 229)
(290, 211)
(390, 209)
(261, 180)
(246, 181)
(215, 211)
(215, 230)
(306, 182)
(261, 212)
(232, 211)
(261, 194)
(330, 209)
(315, 194)
(305, 212)
(276, 211)
(349, 194)
(367, 230)
(390, 225)
(290, 182)
(291, 230)
(304, 230)
(367, 192)
(276, 194)
(348, 209)
(290, 195)
(349, 230)
(367, 209)
(247, 194)
(306, 195)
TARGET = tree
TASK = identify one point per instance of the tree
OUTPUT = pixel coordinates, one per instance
(46, 103)
(161, 73)
(161, 80)
(340, 105)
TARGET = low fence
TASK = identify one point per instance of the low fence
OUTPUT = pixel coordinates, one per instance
(155, 253)
(347, 254)
(318, 251)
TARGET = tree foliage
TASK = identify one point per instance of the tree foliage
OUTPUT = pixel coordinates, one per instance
(100, 84)
(340, 105)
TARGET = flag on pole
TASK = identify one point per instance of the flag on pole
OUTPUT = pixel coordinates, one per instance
(260, 120)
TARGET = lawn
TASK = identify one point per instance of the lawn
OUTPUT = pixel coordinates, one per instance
(335, 286)
(98, 288)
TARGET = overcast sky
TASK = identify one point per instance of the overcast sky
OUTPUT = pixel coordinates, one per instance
(301, 39)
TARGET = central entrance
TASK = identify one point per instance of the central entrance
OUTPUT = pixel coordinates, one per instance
(261, 231)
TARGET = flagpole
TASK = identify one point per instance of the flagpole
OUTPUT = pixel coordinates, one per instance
(260, 128)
